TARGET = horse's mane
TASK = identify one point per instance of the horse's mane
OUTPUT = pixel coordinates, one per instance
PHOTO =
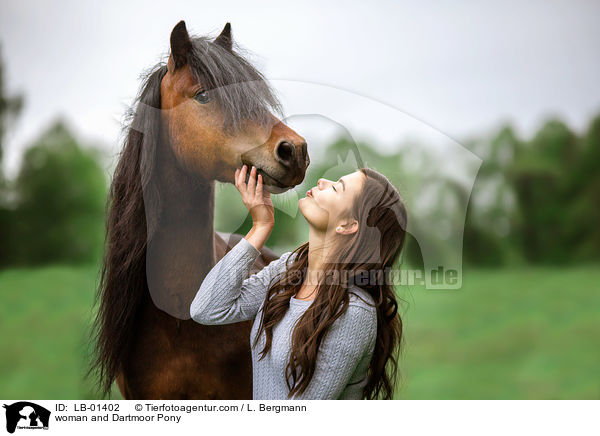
(123, 274)
(241, 94)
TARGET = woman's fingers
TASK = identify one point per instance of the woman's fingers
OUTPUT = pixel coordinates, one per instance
(241, 179)
(252, 180)
(243, 176)
(259, 187)
(256, 200)
(254, 187)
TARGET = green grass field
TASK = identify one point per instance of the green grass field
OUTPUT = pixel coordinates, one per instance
(507, 334)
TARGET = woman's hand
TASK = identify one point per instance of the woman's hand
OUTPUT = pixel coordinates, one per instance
(256, 200)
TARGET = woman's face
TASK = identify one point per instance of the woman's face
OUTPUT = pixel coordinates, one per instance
(325, 204)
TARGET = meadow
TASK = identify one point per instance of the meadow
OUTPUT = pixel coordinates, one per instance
(521, 333)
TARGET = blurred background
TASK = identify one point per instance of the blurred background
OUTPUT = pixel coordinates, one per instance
(513, 87)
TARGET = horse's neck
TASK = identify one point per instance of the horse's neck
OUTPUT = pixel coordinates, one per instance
(190, 211)
(182, 249)
(187, 205)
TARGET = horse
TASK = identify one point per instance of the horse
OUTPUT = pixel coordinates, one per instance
(197, 117)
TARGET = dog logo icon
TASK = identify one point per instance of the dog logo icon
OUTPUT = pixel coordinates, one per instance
(26, 415)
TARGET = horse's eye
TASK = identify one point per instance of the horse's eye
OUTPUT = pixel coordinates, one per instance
(202, 97)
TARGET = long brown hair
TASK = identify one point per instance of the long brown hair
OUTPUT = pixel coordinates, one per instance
(372, 251)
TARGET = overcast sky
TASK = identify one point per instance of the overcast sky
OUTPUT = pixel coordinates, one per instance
(459, 68)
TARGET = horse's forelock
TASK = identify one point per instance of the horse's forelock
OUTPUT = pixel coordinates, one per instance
(240, 89)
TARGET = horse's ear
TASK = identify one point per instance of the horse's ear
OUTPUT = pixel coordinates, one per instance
(224, 39)
(181, 45)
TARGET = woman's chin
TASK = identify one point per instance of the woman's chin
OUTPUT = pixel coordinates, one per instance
(301, 203)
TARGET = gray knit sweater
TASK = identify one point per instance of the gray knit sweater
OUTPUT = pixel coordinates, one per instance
(227, 295)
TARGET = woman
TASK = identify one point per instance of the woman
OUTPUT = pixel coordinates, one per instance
(326, 324)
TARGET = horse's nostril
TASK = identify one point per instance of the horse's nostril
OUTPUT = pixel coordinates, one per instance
(304, 151)
(285, 152)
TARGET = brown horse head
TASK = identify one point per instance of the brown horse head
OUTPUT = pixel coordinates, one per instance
(217, 111)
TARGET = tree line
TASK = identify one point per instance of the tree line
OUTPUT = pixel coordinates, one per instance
(533, 201)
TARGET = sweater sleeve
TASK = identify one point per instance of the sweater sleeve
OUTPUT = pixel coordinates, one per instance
(348, 340)
(225, 296)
